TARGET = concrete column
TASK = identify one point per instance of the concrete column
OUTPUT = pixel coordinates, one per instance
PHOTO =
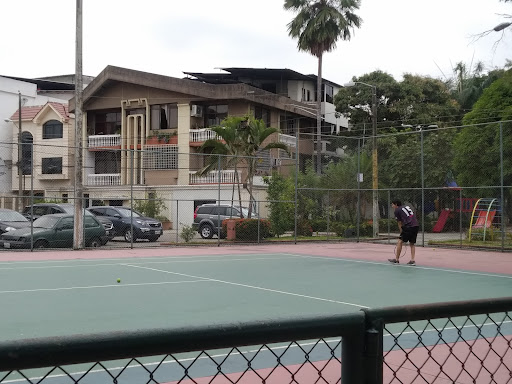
(183, 143)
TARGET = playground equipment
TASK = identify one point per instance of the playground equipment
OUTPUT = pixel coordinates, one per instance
(443, 218)
(486, 218)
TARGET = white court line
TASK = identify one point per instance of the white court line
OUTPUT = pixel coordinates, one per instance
(248, 286)
(127, 259)
(403, 266)
(145, 262)
(101, 286)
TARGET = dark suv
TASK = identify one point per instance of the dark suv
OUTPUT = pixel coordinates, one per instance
(33, 212)
(143, 227)
(208, 218)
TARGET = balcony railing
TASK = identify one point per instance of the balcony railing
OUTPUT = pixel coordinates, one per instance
(289, 140)
(200, 135)
(226, 177)
(100, 141)
(104, 179)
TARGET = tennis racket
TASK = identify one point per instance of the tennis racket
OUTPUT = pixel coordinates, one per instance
(403, 252)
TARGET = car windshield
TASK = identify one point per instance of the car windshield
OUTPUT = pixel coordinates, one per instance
(11, 216)
(46, 221)
(125, 212)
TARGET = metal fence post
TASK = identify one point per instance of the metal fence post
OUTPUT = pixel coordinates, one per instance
(374, 352)
(352, 357)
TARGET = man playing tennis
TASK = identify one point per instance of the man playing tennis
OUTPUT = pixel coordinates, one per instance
(408, 226)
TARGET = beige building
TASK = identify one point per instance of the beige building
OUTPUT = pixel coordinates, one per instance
(142, 133)
(45, 158)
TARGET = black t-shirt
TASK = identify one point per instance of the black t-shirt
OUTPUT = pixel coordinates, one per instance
(405, 214)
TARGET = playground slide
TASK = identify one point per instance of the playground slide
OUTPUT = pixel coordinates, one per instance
(443, 217)
(480, 221)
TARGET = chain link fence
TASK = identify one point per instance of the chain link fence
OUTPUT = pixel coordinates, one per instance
(459, 190)
(463, 342)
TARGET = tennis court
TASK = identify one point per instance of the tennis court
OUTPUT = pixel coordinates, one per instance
(62, 293)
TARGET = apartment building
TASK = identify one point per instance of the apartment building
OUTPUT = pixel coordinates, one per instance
(142, 132)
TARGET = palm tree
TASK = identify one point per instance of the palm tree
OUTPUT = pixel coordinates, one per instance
(254, 136)
(225, 151)
(318, 26)
(239, 140)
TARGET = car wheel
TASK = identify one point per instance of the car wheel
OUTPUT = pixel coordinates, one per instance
(40, 244)
(206, 231)
(128, 236)
(95, 243)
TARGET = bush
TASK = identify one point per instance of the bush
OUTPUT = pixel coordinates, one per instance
(247, 229)
(304, 228)
(152, 206)
(319, 225)
(187, 233)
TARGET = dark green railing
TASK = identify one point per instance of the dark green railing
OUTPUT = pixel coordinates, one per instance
(362, 347)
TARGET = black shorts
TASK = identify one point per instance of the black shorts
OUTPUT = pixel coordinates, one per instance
(409, 234)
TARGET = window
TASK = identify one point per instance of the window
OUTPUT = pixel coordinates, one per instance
(26, 153)
(215, 114)
(161, 157)
(51, 165)
(164, 116)
(328, 92)
(52, 130)
(107, 123)
(106, 162)
(262, 114)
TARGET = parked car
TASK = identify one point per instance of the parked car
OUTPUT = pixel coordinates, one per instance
(143, 227)
(11, 220)
(208, 218)
(40, 209)
(54, 231)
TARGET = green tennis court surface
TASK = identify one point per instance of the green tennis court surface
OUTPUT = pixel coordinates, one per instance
(53, 298)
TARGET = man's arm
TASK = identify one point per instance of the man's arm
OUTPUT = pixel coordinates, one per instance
(399, 226)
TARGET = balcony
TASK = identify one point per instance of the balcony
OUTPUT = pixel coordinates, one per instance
(104, 179)
(226, 177)
(103, 141)
(290, 141)
(201, 135)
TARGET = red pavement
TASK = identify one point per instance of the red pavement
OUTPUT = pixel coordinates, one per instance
(471, 260)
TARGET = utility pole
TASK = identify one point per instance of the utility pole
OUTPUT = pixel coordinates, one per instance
(78, 231)
(375, 165)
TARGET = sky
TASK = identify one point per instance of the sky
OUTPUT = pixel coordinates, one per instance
(169, 37)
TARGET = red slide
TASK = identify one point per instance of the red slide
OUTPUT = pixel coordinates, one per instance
(441, 221)
(481, 220)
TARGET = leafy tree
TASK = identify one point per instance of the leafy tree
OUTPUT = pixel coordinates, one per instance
(477, 147)
(403, 108)
(280, 190)
(468, 84)
(318, 25)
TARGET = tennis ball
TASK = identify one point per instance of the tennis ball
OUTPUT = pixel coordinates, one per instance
(118, 280)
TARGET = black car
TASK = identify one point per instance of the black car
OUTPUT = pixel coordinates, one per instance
(11, 220)
(126, 219)
(35, 211)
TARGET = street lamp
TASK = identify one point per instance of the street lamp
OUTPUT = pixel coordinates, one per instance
(375, 168)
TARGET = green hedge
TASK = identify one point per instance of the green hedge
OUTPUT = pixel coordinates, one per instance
(247, 229)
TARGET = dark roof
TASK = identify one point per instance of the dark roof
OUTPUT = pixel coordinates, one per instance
(234, 75)
(45, 85)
